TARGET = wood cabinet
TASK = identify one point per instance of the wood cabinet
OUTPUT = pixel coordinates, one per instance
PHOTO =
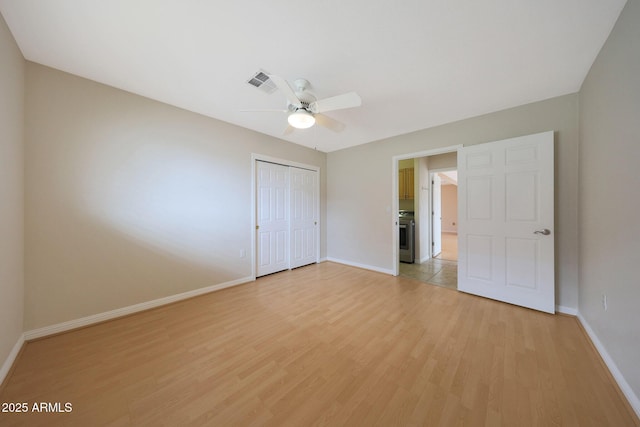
(405, 184)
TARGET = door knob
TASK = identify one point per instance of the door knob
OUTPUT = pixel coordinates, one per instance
(544, 232)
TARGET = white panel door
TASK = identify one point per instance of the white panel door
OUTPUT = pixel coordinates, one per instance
(505, 233)
(304, 217)
(436, 215)
(272, 218)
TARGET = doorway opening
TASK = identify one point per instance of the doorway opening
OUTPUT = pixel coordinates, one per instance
(427, 202)
(444, 219)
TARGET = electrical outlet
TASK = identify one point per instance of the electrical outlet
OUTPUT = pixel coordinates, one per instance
(243, 253)
(604, 301)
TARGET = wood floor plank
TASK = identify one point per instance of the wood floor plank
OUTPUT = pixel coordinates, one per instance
(323, 345)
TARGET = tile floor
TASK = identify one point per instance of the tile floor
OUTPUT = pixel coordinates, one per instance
(437, 271)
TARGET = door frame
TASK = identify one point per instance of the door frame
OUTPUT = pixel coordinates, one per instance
(254, 221)
(394, 196)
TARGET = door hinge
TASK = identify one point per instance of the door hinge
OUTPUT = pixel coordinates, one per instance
(257, 227)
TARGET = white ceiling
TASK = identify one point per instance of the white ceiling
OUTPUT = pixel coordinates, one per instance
(415, 63)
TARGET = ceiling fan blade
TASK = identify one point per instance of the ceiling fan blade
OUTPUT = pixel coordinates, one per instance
(288, 130)
(286, 90)
(346, 100)
(265, 111)
(329, 123)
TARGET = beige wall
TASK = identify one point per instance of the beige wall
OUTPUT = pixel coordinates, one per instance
(130, 200)
(610, 195)
(359, 204)
(11, 192)
(443, 161)
(449, 196)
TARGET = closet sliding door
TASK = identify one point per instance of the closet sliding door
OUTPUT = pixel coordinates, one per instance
(304, 216)
(287, 217)
(273, 218)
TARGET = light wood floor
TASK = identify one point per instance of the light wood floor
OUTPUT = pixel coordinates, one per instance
(322, 345)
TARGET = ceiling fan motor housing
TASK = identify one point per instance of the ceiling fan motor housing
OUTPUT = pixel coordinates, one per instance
(303, 93)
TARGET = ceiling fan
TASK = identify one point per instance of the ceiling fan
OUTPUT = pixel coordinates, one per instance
(304, 110)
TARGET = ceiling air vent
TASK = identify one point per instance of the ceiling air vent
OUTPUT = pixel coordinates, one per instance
(262, 81)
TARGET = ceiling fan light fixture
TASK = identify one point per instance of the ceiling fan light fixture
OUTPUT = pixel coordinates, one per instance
(301, 119)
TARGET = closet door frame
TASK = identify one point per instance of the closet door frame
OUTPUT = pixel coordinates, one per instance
(254, 222)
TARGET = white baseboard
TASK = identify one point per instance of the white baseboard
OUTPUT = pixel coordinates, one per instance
(566, 310)
(364, 266)
(322, 260)
(8, 363)
(124, 311)
(613, 368)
